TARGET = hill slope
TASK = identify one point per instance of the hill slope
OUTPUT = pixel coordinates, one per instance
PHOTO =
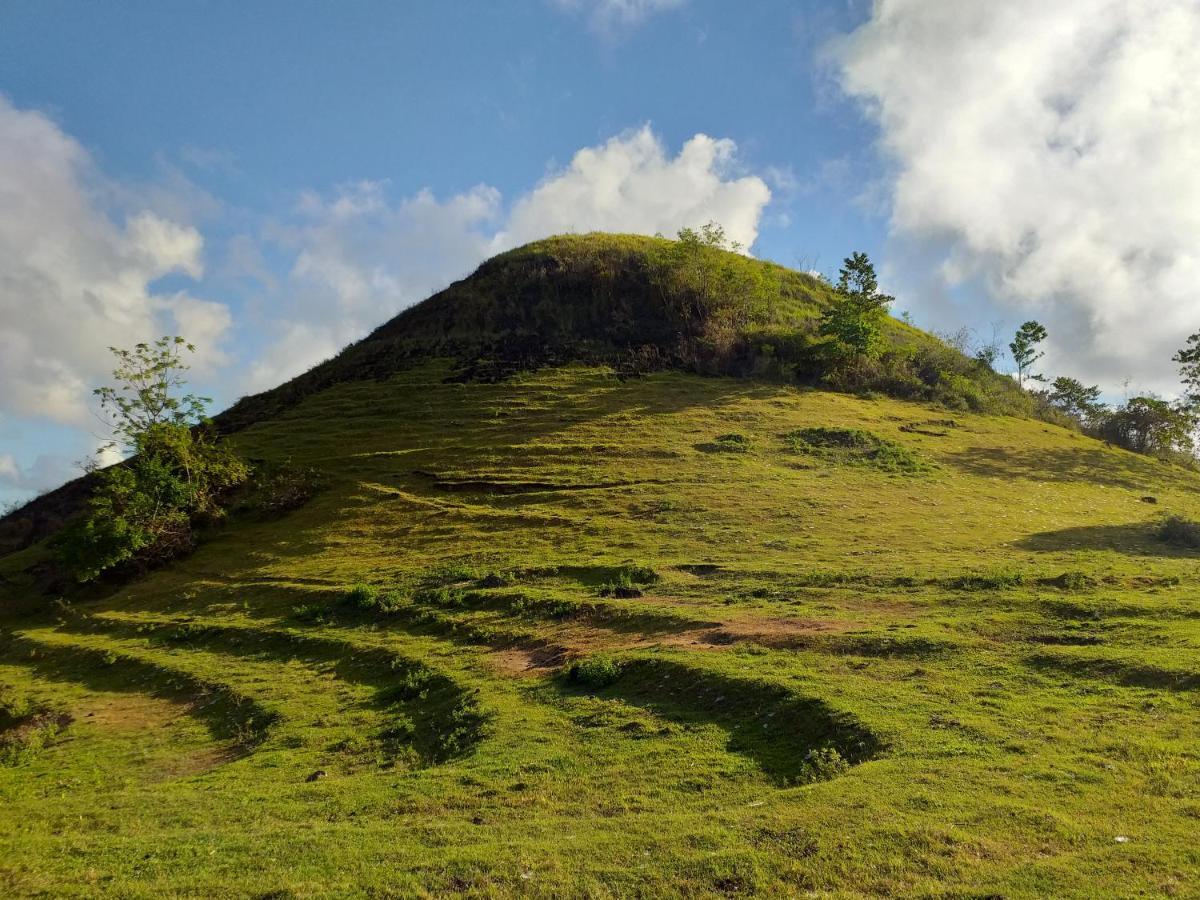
(831, 644)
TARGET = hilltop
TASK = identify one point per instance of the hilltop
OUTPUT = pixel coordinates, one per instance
(601, 298)
(592, 601)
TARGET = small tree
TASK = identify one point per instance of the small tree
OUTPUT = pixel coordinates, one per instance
(1189, 369)
(142, 398)
(143, 510)
(1070, 396)
(855, 320)
(1024, 349)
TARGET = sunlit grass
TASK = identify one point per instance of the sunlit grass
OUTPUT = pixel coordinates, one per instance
(996, 645)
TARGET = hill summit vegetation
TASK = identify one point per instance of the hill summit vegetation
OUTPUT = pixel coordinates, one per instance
(643, 304)
(624, 567)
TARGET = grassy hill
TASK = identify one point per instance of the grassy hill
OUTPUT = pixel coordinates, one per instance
(559, 631)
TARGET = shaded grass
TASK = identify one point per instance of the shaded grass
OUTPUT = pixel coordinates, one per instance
(432, 714)
(229, 715)
(793, 739)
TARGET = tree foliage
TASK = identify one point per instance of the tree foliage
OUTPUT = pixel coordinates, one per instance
(143, 510)
(1150, 425)
(1189, 369)
(1024, 349)
(854, 323)
(1071, 397)
(143, 396)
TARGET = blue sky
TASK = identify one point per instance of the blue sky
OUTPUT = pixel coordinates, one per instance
(275, 178)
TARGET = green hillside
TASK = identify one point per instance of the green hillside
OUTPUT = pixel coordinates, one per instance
(570, 618)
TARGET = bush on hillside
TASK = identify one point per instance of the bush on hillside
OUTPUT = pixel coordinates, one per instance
(274, 490)
(726, 443)
(854, 446)
(1151, 426)
(143, 512)
(596, 672)
(1179, 531)
(626, 582)
(707, 286)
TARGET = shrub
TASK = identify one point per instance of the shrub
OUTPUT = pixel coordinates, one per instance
(26, 728)
(986, 581)
(1072, 581)
(1149, 425)
(276, 490)
(734, 441)
(143, 511)
(495, 580)
(726, 443)
(856, 447)
(640, 574)
(596, 672)
(311, 613)
(390, 602)
(823, 764)
(364, 596)
(1178, 531)
(625, 581)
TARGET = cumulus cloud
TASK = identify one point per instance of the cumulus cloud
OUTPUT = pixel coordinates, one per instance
(1050, 154)
(630, 183)
(48, 470)
(73, 280)
(609, 17)
(360, 257)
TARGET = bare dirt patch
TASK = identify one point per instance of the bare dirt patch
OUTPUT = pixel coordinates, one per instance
(521, 661)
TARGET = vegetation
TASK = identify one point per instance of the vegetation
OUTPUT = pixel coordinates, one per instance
(644, 304)
(1151, 426)
(595, 672)
(26, 728)
(1024, 349)
(1179, 531)
(854, 322)
(799, 580)
(855, 446)
(421, 681)
(1072, 398)
(143, 512)
(1189, 369)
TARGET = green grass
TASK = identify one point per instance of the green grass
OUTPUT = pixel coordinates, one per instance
(838, 679)
(854, 446)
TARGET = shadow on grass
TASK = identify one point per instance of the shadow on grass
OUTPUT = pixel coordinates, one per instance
(1126, 674)
(779, 730)
(1133, 540)
(436, 717)
(228, 715)
(1111, 468)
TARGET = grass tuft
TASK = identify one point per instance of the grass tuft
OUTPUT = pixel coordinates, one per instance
(854, 446)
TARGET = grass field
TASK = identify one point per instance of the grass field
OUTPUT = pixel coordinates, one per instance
(659, 636)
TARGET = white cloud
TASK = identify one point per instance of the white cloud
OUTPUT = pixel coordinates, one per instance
(73, 280)
(1049, 152)
(609, 17)
(630, 184)
(47, 471)
(360, 258)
